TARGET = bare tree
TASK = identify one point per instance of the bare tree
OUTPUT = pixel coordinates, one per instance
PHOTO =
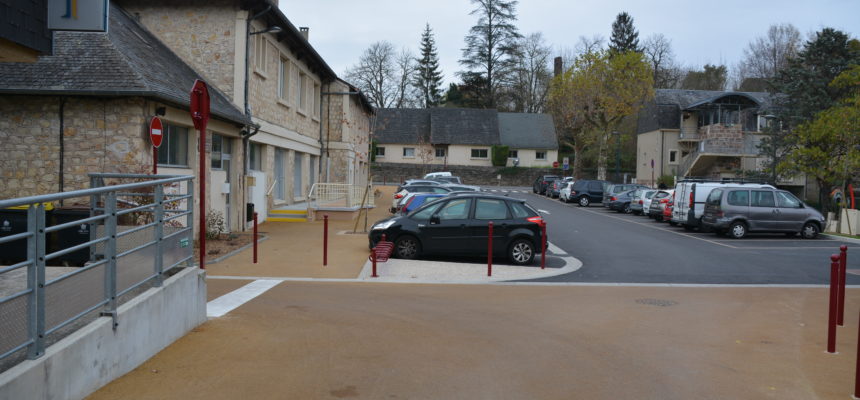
(383, 75)
(667, 72)
(766, 55)
(407, 93)
(531, 75)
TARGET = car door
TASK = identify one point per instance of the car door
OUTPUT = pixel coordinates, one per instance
(487, 210)
(763, 214)
(595, 191)
(447, 231)
(792, 214)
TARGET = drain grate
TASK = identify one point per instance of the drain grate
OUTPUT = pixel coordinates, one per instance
(657, 302)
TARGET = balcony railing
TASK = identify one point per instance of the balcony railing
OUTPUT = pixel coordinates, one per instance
(747, 147)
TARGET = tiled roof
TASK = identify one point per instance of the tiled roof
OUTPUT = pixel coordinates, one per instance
(126, 61)
(527, 131)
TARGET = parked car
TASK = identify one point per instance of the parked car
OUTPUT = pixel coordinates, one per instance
(642, 200)
(739, 210)
(539, 185)
(616, 188)
(416, 189)
(691, 197)
(458, 225)
(621, 202)
(554, 190)
(667, 211)
(564, 193)
(409, 182)
(447, 179)
(463, 188)
(658, 203)
(586, 192)
(415, 200)
(436, 174)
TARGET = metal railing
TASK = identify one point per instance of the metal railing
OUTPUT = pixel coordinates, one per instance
(135, 233)
(747, 147)
(340, 196)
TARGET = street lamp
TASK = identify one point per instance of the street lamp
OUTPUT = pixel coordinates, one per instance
(617, 155)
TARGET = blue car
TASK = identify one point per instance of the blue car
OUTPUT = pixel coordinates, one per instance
(417, 200)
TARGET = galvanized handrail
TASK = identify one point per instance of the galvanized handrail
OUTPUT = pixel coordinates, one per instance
(115, 256)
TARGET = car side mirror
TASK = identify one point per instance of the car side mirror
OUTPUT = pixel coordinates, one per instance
(434, 220)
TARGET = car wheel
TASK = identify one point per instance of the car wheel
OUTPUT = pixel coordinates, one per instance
(521, 252)
(737, 230)
(584, 201)
(809, 231)
(627, 209)
(407, 247)
(673, 223)
(689, 228)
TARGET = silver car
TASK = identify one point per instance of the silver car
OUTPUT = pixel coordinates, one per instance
(642, 201)
(737, 211)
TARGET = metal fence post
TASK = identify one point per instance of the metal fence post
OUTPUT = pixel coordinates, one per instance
(36, 280)
(110, 268)
(189, 220)
(159, 234)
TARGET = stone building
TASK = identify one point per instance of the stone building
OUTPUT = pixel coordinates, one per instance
(304, 131)
(86, 108)
(703, 134)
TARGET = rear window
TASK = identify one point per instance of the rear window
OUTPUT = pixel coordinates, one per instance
(649, 194)
(714, 197)
(520, 210)
(491, 209)
(738, 198)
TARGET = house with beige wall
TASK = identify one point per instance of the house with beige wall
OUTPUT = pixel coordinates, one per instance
(703, 134)
(462, 136)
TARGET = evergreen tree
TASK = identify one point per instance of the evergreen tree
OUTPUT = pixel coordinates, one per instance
(491, 48)
(428, 77)
(624, 36)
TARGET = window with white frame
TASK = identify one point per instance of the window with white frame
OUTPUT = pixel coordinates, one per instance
(284, 79)
(220, 151)
(301, 95)
(380, 151)
(440, 152)
(408, 152)
(316, 110)
(673, 156)
(260, 50)
(174, 146)
(540, 155)
(513, 154)
(256, 156)
(480, 153)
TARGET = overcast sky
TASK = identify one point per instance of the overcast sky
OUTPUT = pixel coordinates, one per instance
(707, 32)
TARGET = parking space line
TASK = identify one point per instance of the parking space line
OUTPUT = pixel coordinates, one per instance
(658, 228)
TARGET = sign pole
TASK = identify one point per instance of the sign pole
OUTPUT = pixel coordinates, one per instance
(155, 136)
(200, 116)
(154, 160)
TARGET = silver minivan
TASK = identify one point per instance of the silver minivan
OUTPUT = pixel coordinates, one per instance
(737, 211)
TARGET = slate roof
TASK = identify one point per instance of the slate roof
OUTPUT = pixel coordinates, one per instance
(126, 61)
(464, 126)
(527, 131)
(402, 125)
(664, 112)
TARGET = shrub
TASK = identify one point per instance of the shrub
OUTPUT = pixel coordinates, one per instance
(214, 224)
(500, 155)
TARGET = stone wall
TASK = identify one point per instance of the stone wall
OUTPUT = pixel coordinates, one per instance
(100, 135)
(391, 173)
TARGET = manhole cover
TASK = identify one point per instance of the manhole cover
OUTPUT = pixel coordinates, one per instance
(657, 302)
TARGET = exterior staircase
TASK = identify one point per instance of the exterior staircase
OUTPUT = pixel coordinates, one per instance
(291, 213)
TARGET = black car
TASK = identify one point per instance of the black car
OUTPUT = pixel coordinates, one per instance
(458, 225)
(540, 184)
(586, 192)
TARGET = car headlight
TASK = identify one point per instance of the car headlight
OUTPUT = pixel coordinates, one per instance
(383, 225)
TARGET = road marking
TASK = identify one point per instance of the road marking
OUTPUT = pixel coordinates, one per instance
(555, 249)
(659, 228)
(544, 211)
(229, 302)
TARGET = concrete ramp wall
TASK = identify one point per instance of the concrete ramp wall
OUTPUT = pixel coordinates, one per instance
(96, 354)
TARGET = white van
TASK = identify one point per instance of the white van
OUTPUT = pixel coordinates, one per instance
(690, 196)
(435, 174)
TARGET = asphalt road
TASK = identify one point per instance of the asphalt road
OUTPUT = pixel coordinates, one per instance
(620, 248)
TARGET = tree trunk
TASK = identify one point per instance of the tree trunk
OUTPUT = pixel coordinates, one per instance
(601, 157)
(577, 161)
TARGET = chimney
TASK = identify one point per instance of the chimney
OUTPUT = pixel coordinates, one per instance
(305, 32)
(557, 66)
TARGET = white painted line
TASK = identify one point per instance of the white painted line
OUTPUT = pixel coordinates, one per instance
(555, 249)
(544, 211)
(229, 302)
(658, 228)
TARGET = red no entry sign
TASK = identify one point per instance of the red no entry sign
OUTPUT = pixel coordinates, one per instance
(156, 130)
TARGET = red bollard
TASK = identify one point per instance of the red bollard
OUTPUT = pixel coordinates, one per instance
(840, 306)
(255, 237)
(373, 260)
(325, 240)
(490, 250)
(831, 321)
(543, 245)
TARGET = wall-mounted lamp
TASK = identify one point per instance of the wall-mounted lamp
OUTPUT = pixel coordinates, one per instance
(271, 29)
(162, 111)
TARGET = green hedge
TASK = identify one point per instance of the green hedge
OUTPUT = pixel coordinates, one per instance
(500, 155)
